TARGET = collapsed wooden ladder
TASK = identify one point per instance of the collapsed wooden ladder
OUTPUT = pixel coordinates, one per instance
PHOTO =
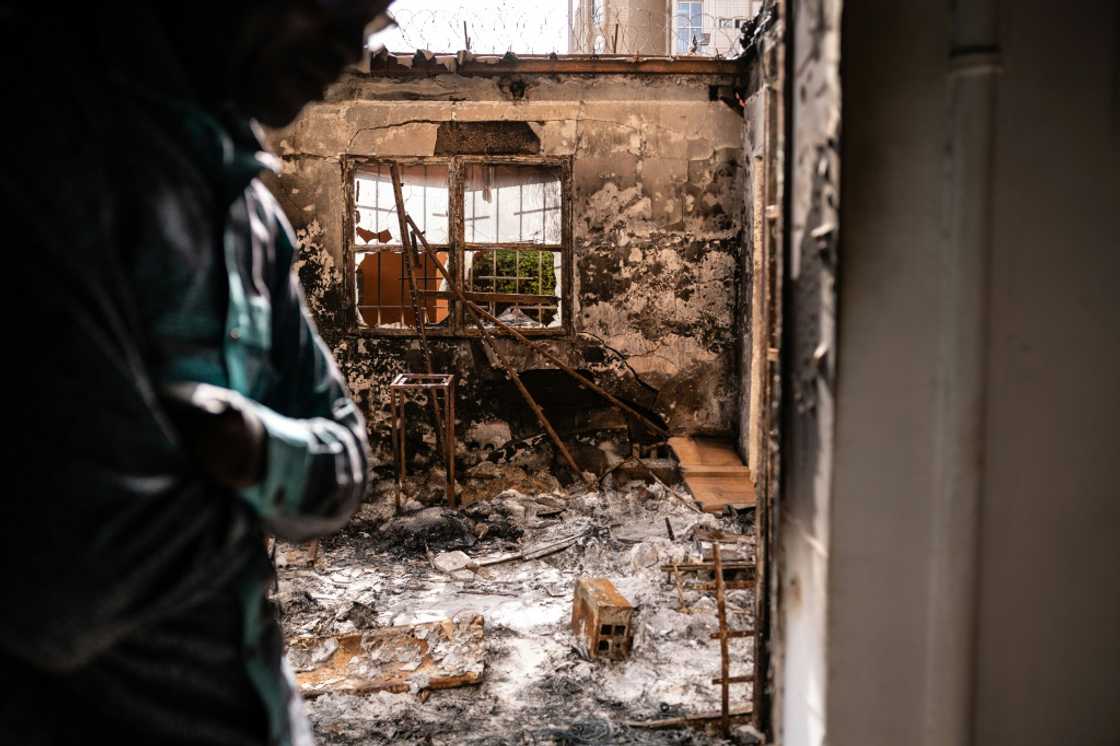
(445, 431)
(409, 230)
(724, 635)
(743, 573)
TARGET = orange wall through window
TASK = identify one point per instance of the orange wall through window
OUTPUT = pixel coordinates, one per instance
(388, 288)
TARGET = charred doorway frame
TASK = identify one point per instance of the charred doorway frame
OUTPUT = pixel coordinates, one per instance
(770, 57)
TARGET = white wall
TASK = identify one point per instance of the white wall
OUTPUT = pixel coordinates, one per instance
(971, 589)
(1048, 624)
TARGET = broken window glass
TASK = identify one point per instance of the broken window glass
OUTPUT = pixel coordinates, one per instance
(425, 198)
(521, 287)
(384, 295)
(383, 292)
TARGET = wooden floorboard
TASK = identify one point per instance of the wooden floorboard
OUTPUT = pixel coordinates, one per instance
(714, 473)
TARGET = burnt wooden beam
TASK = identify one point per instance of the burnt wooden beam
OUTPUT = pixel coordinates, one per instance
(390, 66)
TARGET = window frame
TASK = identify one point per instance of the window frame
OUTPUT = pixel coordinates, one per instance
(460, 323)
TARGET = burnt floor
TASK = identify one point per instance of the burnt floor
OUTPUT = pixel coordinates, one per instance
(537, 683)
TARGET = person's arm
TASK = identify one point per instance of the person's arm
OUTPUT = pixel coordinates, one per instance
(299, 456)
(316, 453)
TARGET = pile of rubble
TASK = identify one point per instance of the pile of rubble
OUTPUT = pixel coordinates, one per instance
(439, 626)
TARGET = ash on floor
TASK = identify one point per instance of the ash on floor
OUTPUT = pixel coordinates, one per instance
(538, 687)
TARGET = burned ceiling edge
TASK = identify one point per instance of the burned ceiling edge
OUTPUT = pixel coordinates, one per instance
(423, 64)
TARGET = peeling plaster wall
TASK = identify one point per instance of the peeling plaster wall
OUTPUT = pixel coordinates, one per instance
(656, 206)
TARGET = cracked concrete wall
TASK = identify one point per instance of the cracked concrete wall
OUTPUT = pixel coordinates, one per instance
(656, 234)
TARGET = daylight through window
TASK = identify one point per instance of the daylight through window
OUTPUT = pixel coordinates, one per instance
(505, 244)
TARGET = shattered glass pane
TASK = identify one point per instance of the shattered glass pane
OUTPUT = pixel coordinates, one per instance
(425, 190)
(383, 293)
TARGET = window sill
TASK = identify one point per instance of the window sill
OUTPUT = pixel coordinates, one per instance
(366, 332)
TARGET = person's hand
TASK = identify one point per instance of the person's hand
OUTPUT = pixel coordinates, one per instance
(219, 430)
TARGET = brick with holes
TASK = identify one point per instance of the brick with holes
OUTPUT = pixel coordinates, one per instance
(602, 618)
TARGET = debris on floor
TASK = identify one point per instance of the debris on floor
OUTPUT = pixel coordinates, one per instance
(435, 655)
(514, 559)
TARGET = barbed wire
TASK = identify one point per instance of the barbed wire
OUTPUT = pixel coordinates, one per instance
(544, 27)
(648, 33)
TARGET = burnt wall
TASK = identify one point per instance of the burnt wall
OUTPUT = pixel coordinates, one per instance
(656, 231)
(808, 297)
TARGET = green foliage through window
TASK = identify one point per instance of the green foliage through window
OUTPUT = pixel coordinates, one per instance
(514, 271)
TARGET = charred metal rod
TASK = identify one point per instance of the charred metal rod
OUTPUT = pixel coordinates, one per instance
(680, 590)
(736, 634)
(534, 552)
(580, 378)
(409, 260)
(398, 442)
(447, 422)
(542, 349)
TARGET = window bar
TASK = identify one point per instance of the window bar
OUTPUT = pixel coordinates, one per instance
(544, 210)
(377, 221)
(493, 305)
(403, 310)
(520, 237)
(380, 297)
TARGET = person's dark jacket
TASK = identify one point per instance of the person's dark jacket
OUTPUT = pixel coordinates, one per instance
(135, 583)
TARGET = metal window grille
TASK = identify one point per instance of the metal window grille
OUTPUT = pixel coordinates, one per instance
(505, 242)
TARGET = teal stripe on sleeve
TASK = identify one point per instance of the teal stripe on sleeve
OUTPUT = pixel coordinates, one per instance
(289, 461)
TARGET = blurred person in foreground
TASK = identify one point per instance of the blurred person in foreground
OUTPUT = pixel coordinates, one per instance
(171, 400)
